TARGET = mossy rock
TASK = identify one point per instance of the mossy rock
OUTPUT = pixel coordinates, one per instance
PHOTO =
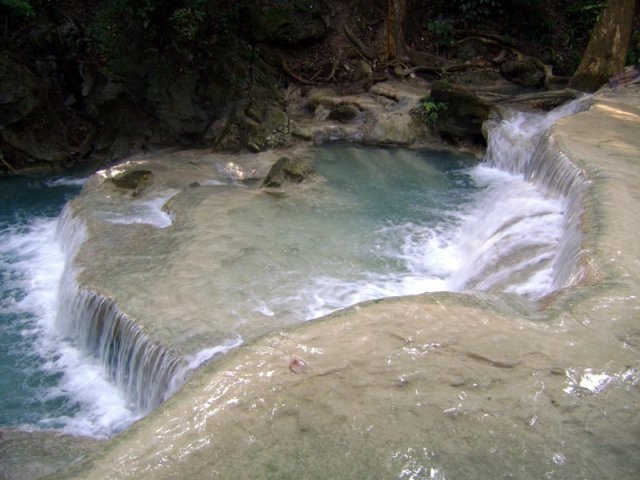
(135, 181)
(525, 71)
(344, 113)
(286, 171)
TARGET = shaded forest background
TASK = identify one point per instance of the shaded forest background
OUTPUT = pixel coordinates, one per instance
(112, 78)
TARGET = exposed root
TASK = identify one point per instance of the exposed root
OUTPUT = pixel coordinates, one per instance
(362, 50)
(443, 70)
(544, 100)
(293, 75)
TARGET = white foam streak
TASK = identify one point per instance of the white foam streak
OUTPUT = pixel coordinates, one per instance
(144, 211)
(206, 354)
(66, 182)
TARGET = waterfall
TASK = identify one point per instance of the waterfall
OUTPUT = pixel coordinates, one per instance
(523, 144)
(516, 239)
(145, 370)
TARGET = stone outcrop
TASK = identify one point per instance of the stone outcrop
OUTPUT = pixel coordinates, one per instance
(464, 114)
(523, 71)
(35, 129)
(287, 170)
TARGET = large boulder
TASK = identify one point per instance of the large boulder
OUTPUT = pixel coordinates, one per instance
(523, 71)
(287, 171)
(176, 102)
(462, 118)
(19, 90)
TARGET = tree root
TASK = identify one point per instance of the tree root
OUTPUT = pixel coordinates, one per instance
(362, 50)
(550, 99)
(487, 38)
(443, 70)
(293, 75)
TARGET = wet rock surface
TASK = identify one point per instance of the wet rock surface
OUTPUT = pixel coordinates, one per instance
(35, 455)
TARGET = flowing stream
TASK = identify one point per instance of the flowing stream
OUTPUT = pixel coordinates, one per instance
(381, 223)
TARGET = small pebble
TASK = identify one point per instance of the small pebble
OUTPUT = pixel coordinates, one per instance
(297, 365)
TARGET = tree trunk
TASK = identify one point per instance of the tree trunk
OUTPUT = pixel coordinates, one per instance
(396, 13)
(607, 50)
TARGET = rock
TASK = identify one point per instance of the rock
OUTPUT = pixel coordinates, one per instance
(176, 104)
(287, 170)
(390, 128)
(39, 454)
(125, 128)
(343, 113)
(264, 127)
(19, 90)
(135, 180)
(525, 71)
(465, 113)
(362, 71)
(41, 142)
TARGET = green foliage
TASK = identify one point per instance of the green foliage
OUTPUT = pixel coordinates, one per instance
(122, 30)
(582, 17)
(186, 23)
(479, 9)
(442, 30)
(429, 109)
(19, 8)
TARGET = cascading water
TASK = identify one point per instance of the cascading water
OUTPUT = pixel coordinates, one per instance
(386, 223)
(46, 381)
(140, 368)
(525, 243)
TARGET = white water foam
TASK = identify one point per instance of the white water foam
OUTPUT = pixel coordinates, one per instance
(144, 211)
(509, 240)
(93, 406)
(67, 182)
(513, 141)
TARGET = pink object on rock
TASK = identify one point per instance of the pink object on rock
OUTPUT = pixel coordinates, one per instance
(297, 365)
